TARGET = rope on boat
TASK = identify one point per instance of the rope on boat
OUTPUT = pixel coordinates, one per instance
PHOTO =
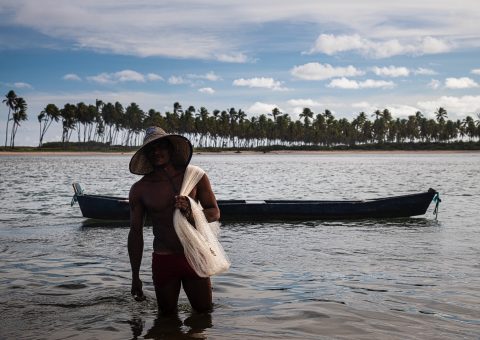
(437, 201)
(74, 199)
(78, 191)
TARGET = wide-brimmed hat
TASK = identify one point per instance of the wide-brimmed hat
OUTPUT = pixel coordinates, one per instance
(181, 155)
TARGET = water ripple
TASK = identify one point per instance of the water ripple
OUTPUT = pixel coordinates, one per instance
(62, 275)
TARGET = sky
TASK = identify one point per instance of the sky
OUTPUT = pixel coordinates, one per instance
(346, 56)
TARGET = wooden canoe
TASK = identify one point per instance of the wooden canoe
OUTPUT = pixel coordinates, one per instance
(117, 208)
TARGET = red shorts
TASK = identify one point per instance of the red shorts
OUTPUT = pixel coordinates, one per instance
(168, 267)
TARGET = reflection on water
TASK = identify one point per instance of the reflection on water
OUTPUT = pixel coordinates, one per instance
(172, 327)
(66, 277)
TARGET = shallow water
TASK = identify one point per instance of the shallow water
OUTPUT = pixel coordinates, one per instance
(62, 277)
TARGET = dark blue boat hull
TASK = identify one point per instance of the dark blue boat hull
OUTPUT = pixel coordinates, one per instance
(117, 208)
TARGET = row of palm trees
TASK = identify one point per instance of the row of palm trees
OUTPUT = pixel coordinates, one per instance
(17, 112)
(113, 124)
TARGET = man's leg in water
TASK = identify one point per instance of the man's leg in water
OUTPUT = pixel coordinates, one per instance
(199, 293)
(167, 296)
(167, 282)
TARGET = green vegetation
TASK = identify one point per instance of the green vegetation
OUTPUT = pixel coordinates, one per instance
(17, 111)
(111, 127)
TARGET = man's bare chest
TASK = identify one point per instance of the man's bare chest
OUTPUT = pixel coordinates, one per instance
(160, 197)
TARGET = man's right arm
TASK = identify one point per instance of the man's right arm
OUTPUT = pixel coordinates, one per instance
(135, 239)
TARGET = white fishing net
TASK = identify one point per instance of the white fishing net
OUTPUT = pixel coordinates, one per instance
(200, 243)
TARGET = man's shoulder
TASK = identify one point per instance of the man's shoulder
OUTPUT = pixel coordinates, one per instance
(138, 185)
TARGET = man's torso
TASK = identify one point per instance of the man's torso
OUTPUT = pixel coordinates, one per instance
(158, 197)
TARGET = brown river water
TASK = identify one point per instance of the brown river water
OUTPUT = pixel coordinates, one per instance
(62, 277)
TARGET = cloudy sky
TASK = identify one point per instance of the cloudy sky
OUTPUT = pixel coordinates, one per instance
(347, 56)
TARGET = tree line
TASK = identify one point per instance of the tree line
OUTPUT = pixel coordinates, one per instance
(114, 124)
(17, 112)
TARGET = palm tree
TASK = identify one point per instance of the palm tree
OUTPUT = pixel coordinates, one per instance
(19, 115)
(201, 125)
(134, 117)
(177, 108)
(81, 118)
(68, 121)
(470, 127)
(441, 115)
(154, 118)
(275, 113)
(108, 116)
(478, 125)
(188, 121)
(10, 101)
(412, 130)
(379, 128)
(93, 119)
(357, 125)
(306, 114)
(49, 114)
(118, 120)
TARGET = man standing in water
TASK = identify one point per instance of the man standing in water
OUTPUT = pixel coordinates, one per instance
(162, 160)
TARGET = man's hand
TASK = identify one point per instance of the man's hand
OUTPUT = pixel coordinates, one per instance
(137, 291)
(183, 203)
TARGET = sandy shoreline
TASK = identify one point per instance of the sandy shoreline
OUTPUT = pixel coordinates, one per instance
(279, 152)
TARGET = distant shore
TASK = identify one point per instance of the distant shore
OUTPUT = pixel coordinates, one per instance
(229, 152)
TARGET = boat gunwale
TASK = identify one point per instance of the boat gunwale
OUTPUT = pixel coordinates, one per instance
(292, 202)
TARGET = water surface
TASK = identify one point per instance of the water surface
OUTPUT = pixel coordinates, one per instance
(62, 277)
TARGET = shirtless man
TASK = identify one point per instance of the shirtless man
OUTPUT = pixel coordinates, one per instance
(162, 160)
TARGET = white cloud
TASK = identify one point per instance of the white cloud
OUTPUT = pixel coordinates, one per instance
(72, 76)
(391, 71)
(194, 80)
(317, 71)
(232, 58)
(154, 77)
(154, 28)
(361, 105)
(22, 85)
(177, 80)
(129, 75)
(345, 83)
(434, 84)
(457, 107)
(371, 83)
(260, 82)
(460, 83)
(425, 71)
(401, 110)
(208, 90)
(332, 44)
(397, 110)
(102, 78)
(123, 76)
(304, 103)
(476, 71)
(211, 76)
(261, 108)
(430, 45)
(297, 105)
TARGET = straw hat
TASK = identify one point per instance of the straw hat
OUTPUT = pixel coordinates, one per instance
(181, 155)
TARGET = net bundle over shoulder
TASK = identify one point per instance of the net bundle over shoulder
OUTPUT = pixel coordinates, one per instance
(202, 249)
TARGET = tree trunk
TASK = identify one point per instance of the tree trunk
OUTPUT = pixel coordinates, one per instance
(6, 131)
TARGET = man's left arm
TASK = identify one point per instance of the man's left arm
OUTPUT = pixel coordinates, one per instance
(207, 199)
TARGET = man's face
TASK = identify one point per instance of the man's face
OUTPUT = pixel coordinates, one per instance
(159, 153)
